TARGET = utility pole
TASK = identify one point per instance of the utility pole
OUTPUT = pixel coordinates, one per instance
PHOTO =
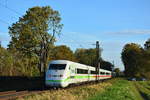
(98, 60)
(113, 68)
(113, 64)
(0, 44)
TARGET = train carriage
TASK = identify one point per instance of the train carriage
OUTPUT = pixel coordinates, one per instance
(61, 73)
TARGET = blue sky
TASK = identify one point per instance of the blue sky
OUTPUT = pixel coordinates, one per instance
(112, 22)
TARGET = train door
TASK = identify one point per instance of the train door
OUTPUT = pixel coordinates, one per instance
(72, 73)
(89, 72)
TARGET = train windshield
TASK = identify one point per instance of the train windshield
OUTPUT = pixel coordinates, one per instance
(57, 66)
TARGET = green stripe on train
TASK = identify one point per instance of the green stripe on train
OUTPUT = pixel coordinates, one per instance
(58, 80)
(79, 77)
(75, 77)
(67, 79)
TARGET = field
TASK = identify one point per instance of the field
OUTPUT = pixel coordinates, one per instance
(114, 89)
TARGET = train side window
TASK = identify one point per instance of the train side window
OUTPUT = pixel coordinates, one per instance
(93, 72)
(82, 71)
(102, 73)
(107, 73)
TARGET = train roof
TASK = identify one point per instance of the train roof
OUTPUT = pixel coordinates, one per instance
(67, 61)
(61, 61)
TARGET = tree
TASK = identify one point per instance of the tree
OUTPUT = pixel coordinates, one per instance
(106, 65)
(89, 57)
(117, 71)
(146, 59)
(147, 45)
(35, 32)
(6, 61)
(86, 56)
(132, 58)
(62, 52)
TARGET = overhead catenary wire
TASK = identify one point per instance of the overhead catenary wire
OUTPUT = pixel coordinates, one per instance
(5, 6)
(11, 9)
(72, 40)
(75, 42)
(4, 22)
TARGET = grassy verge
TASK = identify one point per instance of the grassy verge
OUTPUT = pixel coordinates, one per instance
(120, 90)
(145, 84)
(114, 89)
(144, 89)
(76, 93)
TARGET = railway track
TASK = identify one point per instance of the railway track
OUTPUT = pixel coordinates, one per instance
(11, 95)
(8, 95)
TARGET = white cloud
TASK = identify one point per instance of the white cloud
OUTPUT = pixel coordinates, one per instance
(131, 32)
(78, 36)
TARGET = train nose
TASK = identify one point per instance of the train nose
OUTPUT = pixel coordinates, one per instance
(56, 83)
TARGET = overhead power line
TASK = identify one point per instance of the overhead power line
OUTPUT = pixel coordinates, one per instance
(11, 9)
(4, 22)
(75, 41)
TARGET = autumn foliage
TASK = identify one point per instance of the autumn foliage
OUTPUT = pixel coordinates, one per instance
(136, 60)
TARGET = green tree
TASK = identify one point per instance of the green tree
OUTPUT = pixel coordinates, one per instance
(62, 53)
(13, 64)
(117, 71)
(34, 33)
(5, 62)
(132, 59)
(106, 65)
(146, 59)
(86, 56)
(147, 45)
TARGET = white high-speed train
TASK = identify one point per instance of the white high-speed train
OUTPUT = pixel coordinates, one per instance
(62, 73)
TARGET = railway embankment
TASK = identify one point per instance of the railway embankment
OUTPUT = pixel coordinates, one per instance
(121, 89)
(82, 92)
(19, 83)
(114, 89)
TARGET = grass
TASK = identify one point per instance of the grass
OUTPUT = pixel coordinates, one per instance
(76, 93)
(114, 89)
(145, 84)
(120, 90)
(144, 89)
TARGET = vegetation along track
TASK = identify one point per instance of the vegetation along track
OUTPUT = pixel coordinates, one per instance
(9, 95)
(143, 88)
(74, 92)
(121, 88)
